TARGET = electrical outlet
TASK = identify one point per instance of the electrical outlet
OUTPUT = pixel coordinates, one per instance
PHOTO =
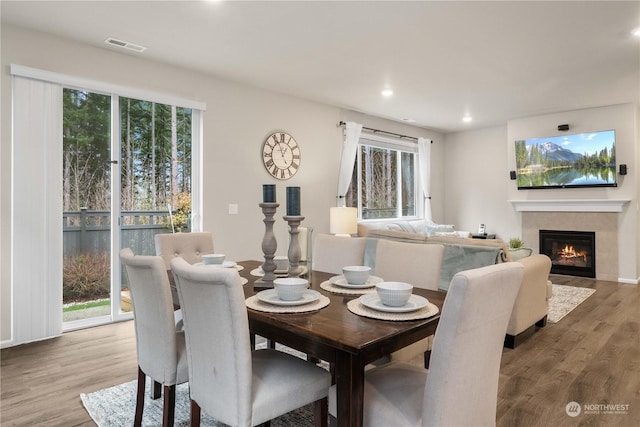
(233, 209)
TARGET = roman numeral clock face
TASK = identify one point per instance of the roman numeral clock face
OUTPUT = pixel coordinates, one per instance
(281, 155)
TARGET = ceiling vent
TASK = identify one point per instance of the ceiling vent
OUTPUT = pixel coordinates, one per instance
(124, 45)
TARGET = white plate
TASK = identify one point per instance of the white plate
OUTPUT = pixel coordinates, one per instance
(416, 302)
(271, 297)
(342, 282)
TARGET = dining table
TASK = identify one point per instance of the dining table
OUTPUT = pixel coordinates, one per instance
(347, 341)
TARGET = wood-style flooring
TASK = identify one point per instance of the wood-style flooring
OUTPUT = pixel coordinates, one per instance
(592, 357)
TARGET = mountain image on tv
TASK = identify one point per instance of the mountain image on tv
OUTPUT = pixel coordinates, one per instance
(578, 160)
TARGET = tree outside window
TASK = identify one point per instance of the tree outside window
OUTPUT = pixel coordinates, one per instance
(383, 183)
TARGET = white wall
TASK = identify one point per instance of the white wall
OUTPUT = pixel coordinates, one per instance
(237, 120)
(477, 179)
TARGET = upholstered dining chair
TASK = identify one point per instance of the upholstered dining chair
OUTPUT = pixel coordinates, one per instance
(461, 387)
(414, 263)
(189, 246)
(331, 253)
(160, 341)
(229, 381)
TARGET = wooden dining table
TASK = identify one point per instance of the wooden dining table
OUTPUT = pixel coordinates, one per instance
(336, 335)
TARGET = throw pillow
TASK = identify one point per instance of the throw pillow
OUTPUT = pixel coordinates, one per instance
(432, 229)
(401, 226)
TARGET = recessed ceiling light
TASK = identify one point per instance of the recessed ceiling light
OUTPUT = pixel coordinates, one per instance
(467, 119)
(408, 120)
(636, 32)
(387, 93)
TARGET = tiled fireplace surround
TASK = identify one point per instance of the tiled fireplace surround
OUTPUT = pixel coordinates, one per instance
(605, 225)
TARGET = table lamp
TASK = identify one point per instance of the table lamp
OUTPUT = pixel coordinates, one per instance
(343, 221)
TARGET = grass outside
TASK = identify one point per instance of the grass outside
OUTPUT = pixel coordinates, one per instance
(86, 305)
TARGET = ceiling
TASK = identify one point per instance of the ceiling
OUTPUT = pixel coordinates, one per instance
(443, 59)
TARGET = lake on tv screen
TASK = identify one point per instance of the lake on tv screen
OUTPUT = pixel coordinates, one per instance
(569, 177)
(569, 160)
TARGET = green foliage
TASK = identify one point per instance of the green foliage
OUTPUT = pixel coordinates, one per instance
(86, 277)
(515, 243)
(90, 304)
(182, 212)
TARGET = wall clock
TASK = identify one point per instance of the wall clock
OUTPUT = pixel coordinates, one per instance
(281, 155)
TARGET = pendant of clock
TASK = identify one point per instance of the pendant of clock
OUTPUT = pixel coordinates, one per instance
(281, 155)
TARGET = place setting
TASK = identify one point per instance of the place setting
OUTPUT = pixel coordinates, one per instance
(218, 261)
(289, 295)
(393, 301)
(354, 280)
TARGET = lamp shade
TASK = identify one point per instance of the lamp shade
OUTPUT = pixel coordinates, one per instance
(343, 220)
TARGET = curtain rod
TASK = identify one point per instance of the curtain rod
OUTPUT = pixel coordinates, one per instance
(413, 138)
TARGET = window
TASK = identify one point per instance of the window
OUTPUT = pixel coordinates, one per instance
(384, 182)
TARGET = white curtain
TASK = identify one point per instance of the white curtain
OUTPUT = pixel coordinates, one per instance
(424, 159)
(36, 232)
(349, 151)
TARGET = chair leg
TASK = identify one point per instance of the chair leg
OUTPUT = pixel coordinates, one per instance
(195, 414)
(321, 412)
(169, 406)
(157, 390)
(427, 359)
(137, 422)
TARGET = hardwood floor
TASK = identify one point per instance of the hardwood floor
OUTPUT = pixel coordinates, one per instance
(592, 357)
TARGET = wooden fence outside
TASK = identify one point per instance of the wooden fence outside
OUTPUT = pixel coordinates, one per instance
(87, 231)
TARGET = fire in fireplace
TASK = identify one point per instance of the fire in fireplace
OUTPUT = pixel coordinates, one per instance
(572, 252)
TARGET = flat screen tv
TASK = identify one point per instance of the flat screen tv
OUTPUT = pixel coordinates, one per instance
(567, 161)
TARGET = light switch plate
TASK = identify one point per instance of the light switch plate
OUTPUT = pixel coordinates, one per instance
(233, 209)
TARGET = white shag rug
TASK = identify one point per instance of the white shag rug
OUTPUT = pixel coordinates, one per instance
(565, 299)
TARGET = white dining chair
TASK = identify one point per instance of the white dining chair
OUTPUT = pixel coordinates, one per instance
(189, 246)
(331, 253)
(461, 386)
(414, 263)
(229, 381)
(160, 341)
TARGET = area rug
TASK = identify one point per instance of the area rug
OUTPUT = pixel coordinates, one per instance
(115, 407)
(565, 299)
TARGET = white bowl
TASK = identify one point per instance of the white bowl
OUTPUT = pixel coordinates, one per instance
(356, 274)
(394, 294)
(290, 288)
(209, 259)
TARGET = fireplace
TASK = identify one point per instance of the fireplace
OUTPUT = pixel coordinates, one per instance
(572, 252)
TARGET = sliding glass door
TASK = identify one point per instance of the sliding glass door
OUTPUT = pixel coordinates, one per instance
(118, 192)
(86, 206)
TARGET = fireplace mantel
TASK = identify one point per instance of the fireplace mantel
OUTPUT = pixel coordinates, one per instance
(604, 205)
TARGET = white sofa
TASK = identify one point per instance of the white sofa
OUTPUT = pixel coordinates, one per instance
(461, 252)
